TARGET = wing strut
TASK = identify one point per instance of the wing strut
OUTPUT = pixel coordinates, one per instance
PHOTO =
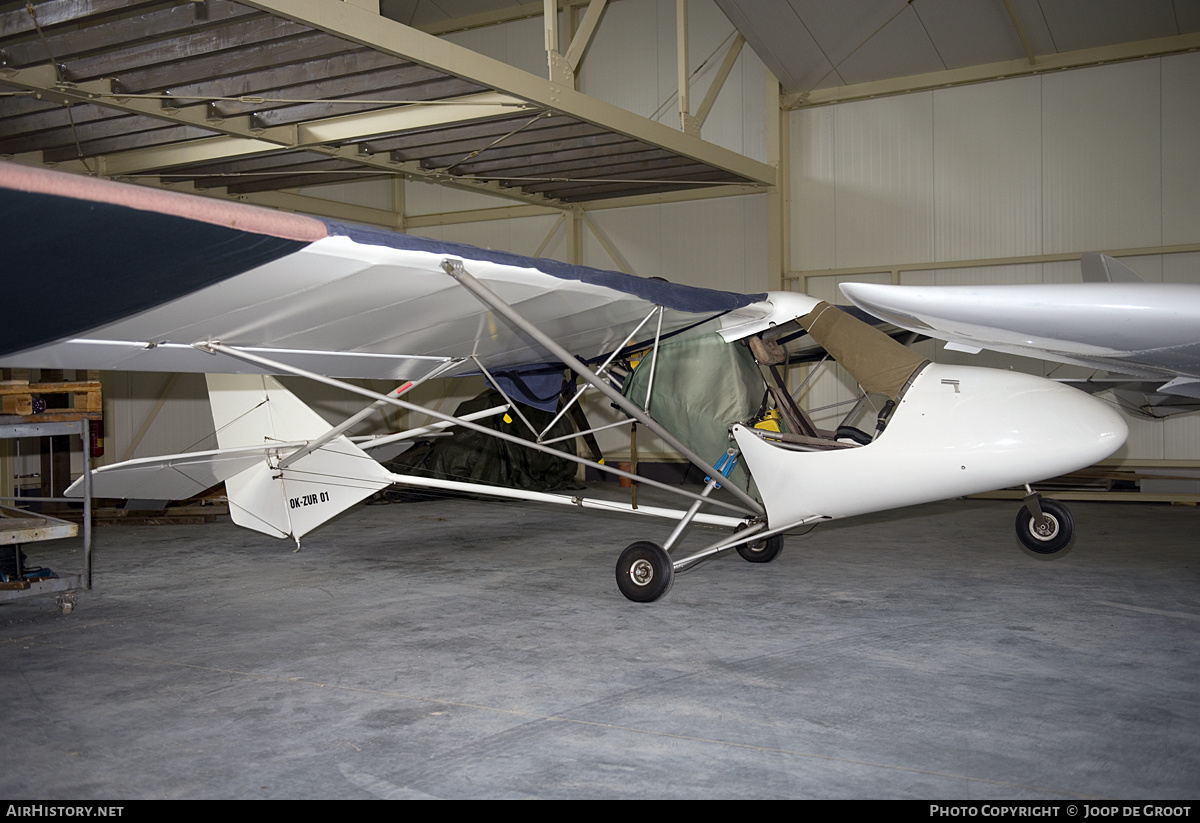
(455, 269)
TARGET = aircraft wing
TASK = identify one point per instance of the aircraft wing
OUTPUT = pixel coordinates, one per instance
(136, 276)
(1148, 330)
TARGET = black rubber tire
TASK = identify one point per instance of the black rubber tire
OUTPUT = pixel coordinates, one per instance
(644, 572)
(764, 551)
(1051, 541)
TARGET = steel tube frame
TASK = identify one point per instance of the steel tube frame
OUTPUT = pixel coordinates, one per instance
(363, 415)
(369, 442)
(756, 531)
(455, 269)
(653, 362)
(565, 500)
(608, 362)
(691, 514)
(496, 385)
(593, 430)
(213, 347)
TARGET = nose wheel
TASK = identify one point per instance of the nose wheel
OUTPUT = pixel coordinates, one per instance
(1050, 535)
(644, 572)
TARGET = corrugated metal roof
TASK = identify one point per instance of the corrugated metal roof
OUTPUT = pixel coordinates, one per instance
(219, 93)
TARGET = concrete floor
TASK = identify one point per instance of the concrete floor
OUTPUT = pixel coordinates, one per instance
(461, 648)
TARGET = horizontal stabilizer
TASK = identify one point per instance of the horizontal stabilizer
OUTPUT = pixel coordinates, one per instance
(281, 503)
(1181, 386)
(260, 425)
(173, 476)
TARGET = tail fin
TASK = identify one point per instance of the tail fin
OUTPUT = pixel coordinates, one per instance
(255, 410)
(1100, 268)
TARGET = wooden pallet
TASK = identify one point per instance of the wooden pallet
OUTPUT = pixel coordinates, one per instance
(188, 513)
(17, 394)
(1101, 483)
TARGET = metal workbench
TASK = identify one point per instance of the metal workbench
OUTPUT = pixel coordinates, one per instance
(20, 526)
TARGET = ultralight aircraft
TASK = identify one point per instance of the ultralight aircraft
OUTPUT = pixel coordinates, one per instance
(146, 279)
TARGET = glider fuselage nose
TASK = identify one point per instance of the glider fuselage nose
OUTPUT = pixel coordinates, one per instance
(957, 430)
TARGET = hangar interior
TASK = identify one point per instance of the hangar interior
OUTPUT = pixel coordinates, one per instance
(720, 143)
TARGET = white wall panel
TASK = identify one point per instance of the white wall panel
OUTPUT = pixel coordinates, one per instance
(813, 184)
(978, 276)
(1061, 272)
(753, 105)
(374, 194)
(828, 288)
(718, 243)
(1102, 158)
(737, 120)
(636, 235)
(1180, 268)
(883, 162)
(517, 235)
(430, 198)
(184, 423)
(1096, 158)
(987, 170)
(1181, 148)
(489, 234)
(632, 64)
(622, 65)
(520, 43)
(1181, 435)
(1146, 441)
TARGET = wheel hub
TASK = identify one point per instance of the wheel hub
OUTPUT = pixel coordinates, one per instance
(641, 572)
(1045, 530)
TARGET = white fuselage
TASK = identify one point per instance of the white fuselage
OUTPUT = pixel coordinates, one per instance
(957, 430)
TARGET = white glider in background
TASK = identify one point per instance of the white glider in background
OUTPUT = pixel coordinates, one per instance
(150, 280)
(1114, 322)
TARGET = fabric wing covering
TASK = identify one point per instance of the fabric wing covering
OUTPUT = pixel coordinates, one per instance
(337, 299)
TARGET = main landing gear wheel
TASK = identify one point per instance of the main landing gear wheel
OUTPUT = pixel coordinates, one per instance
(1051, 539)
(764, 551)
(644, 572)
